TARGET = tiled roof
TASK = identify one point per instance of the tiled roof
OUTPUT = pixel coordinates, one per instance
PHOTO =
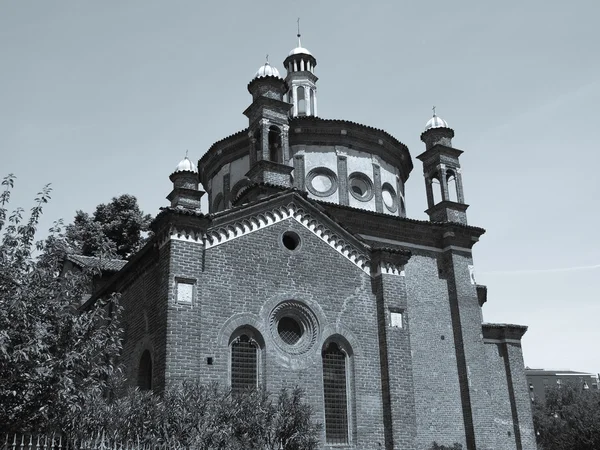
(105, 264)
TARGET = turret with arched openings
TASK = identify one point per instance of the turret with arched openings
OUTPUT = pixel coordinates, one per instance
(301, 80)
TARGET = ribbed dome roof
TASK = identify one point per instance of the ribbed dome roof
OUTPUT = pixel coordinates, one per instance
(186, 166)
(436, 122)
(267, 70)
(300, 50)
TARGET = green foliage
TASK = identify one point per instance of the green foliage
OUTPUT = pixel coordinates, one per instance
(436, 446)
(117, 226)
(204, 417)
(52, 358)
(569, 420)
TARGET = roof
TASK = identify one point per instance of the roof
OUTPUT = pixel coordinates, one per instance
(551, 372)
(104, 264)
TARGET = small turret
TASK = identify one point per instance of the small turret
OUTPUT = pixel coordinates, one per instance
(441, 168)
(268, 128)
(301, 79)
(186, 193)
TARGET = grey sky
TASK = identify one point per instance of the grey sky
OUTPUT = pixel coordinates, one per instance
(104, 97)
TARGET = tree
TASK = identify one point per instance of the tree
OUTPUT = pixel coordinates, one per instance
(53, 358)
(569, 420)
(118, 225)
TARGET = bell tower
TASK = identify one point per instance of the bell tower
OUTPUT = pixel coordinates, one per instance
(268, 129)
(441, 168)
(301, 80)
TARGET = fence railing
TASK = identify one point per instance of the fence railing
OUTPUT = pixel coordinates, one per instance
(59, 442)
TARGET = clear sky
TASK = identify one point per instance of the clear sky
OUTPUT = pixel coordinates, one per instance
(102, 98)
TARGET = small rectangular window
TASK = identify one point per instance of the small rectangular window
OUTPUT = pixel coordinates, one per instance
(185, 292)
(396, 319)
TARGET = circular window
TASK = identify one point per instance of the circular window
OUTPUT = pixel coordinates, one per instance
(293, 327)
(289, 330)
(290, 240)
(321, 182)
(390, 199)
(360, 186)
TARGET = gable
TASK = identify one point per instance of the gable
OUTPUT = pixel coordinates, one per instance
(337, 238)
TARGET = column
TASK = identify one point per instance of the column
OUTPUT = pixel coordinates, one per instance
(295, 100)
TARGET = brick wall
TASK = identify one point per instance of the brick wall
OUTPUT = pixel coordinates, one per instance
(242, 281)
(439, 413)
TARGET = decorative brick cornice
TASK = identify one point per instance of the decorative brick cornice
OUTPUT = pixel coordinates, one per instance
(500, 333)
(389, 261)
(229, 232)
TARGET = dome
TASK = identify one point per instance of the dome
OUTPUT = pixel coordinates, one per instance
(186, 166)
(300, 51)
(267, 71)
(436, 122)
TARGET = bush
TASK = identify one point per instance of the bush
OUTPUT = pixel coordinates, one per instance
(201, 416)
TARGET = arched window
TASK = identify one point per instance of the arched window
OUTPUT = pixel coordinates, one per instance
(244, 363)
(275, 145)
(301, 101)
(335, 394)
(436, 188)
(217, 203)
(258, 144)
(451, 182)
(145, 372)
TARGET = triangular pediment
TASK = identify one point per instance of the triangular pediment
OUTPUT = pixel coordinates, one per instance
(296, 208)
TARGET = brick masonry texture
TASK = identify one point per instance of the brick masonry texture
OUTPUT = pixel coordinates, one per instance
(433, 379)
(441, 376)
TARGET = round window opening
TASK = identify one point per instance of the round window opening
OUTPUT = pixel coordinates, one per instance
(290, 240)
(390, 199)
(290, 331)
(361, 187)
(294, 327)
(321, 182)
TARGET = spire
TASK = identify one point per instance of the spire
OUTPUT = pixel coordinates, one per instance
(299, 43)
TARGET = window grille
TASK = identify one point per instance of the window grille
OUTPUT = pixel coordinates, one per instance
(244, 364)
(289, 330)
(336, 402)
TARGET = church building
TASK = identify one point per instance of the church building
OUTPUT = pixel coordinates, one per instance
(305, 271)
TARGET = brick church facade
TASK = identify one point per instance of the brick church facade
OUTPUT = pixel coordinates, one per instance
(305, 271)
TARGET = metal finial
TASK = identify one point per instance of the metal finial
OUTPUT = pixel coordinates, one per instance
(186, 153)
(433, 109)
(267, 58)
(299, 45)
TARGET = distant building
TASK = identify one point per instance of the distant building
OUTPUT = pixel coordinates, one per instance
(539, 380)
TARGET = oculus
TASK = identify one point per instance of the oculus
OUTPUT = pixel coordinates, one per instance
(321, 182)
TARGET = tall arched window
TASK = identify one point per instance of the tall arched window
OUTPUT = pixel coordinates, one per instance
(301, 101)
(275, 145)
(335, 394)
(145, 372)
(244, 363)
